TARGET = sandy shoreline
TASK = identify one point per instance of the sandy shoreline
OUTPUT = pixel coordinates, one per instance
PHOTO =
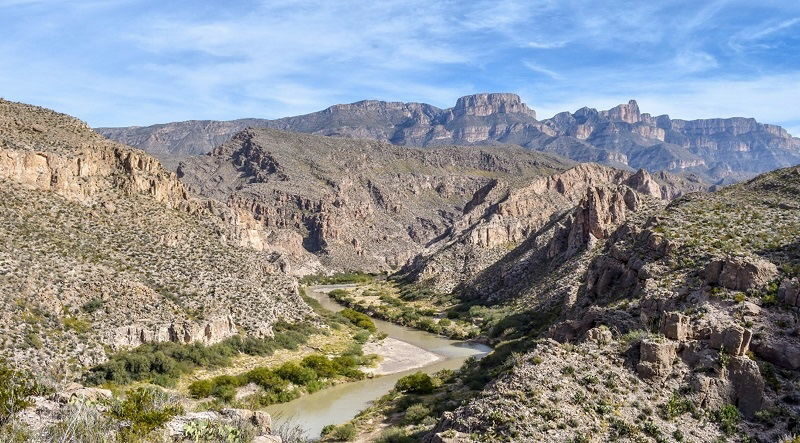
(398, 356)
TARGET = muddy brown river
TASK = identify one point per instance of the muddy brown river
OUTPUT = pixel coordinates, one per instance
(340, 403)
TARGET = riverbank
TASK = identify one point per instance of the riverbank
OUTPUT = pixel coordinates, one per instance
(398, 356)
(406, 306)
(405, 351)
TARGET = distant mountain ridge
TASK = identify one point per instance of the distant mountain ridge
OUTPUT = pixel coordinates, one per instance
(718, 150)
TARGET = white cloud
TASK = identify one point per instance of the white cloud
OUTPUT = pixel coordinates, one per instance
(545, 45)
(542, 70)
(695, 61)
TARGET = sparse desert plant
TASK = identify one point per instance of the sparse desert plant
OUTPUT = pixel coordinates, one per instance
(16, 387)
(143, 410)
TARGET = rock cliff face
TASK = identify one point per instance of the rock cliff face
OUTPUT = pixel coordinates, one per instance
(355, 204)
(103, 247)
(719, 150)
(692, 302)
(548, 217)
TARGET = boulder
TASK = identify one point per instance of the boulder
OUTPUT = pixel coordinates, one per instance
(655, 358)
(676, 326)
(789, 292)
(733, 339)
(740, 274)
(174, 428)
(261, 420)
(748, 386)
(780, 351)
(708, 392)
(600, 335)
(77, 392)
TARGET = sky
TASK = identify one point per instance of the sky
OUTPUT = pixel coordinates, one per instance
(140, 62)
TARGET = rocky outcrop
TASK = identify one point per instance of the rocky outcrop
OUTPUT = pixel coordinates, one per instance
(676, 326)
(206, 332)
(789, 292)
(656, 358)
(748, 385)
(358, 201)
(110, 250)
(483, 105)
(740, 274)
(732, 339)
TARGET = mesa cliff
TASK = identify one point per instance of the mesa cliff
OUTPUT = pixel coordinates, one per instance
(718, 150)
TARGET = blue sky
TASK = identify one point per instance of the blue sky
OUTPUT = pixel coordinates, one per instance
(136, 62)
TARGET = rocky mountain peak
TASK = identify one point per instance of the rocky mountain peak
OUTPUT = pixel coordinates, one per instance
(482, 105)
(628, 113)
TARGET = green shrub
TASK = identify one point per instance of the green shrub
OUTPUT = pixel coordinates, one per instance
(675, 407)
(323, 366)
(15, 389)
(417, 383)
(358, 319)
(224, 392)
(92, 305)
(395, 435)
(201, 388)
(211, 431)
(315, 386)
(362, 336)
(267, 379)
(728, 418)
(76, 324)
(345, 432)
(416, 413)
(144, 409)
(296, 374)
(168, 361)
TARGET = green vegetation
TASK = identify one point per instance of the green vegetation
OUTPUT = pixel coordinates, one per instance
(76, 324)
(416, 383)
(210, 431)
(358, 319)
(284, 383)
(405, 313)
(675, 407)
(15, 389)
(337, 279)
(92, 305)
(345, 432)
(164, 363)
(728, 418)
(144, 410)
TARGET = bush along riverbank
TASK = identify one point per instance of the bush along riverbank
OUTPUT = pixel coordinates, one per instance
(406, 305)
(263, 386)
(412, 409)
(142, 393)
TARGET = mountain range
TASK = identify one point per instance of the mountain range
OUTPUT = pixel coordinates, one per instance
(719, 151)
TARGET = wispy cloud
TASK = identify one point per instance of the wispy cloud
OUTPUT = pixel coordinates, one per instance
(144, 61)
(542, 70)
(545, 45)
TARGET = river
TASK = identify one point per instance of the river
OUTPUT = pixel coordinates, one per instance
(341, 403)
